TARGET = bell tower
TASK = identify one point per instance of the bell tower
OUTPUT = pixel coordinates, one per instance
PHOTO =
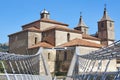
(106, 29)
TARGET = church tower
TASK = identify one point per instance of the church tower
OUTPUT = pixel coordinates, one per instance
(82, 26)
(106, 29)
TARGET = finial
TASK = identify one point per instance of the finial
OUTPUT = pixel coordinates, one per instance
(105, 6)
(80, 13)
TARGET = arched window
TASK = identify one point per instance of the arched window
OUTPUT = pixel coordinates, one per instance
(48, 55)
(65, 56)
(35, 40)
(68, 37)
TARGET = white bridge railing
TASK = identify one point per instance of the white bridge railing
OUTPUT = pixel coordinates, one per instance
(97, 65)
(23, 67)
(24, 77)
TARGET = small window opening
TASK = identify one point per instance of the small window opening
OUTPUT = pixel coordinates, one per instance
(68, 37)
(65, 56)
(35, 40)
(48, 55)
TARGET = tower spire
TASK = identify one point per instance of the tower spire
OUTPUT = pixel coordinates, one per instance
(80, 14)
(106, 29)
(81, 22)
(81, 25)
(105, 7)
(105, 15)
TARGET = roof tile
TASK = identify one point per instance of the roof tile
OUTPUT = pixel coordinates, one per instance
(62, 28)
(80, 42)
(85, 36)
(52, 21)
(42, 44)
(33, 28)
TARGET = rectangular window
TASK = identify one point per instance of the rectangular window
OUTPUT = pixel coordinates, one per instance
(35, 40)
(48, 55)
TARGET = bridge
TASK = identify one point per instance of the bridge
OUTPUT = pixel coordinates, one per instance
(23, 67)
(96, 65)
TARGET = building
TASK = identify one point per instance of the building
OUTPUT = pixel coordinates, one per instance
(49, 33)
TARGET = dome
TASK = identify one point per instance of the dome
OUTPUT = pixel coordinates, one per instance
(44, 11)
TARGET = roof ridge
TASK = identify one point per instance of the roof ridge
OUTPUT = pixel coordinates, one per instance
(52, 21)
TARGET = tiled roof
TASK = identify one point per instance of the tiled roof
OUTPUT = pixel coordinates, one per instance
(44, 20)
(31, 23)
(33, 28)
(56, 27)
(27, 29)
(62, 28)
(42, 44)
(52, 21)
(80, 42)
(86, 36)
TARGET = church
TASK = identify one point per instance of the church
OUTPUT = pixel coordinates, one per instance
(48, 33)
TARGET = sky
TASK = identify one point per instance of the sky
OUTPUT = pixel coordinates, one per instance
(15, 13)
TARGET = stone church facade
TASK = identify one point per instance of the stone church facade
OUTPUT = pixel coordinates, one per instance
(48, 33)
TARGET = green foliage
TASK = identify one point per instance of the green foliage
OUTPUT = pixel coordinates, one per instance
(3, 47)
(1, 68)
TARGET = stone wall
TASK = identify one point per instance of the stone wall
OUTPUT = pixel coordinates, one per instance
(75, 35)
(86, 50)
(50, 57)
(63, 60)
(31, 38)
(61, 36)
(110, 30)
(18, 42)
(49, 36)
(46, 25)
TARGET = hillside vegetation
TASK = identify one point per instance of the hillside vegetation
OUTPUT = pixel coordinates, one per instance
(3, 47)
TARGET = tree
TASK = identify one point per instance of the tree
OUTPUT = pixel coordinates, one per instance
(3, 47)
